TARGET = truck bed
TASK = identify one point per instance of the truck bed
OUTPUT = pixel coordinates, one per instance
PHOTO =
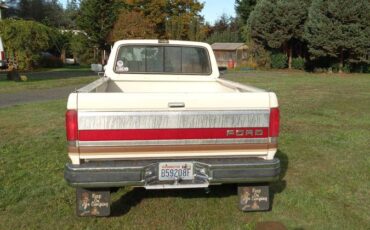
(116, 86)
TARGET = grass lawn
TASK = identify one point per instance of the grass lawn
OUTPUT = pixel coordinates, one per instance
(48, 78)
(324, 148)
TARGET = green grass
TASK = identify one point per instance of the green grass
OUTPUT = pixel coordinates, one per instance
(324, 148)
(47, 79)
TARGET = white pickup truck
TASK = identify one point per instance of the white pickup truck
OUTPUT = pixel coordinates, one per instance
(161, 118)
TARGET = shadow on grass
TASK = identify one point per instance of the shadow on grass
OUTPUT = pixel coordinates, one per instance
(279, 185)
(53, 75)
(132, 198)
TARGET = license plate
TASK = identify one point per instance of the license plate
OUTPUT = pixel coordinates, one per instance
(175, 171)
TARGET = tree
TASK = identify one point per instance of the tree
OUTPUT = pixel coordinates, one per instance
(175, 28)
(278, 24)
(222, 23)
(225, 29)
(132, 24)
(97, 18)
(339, 29)
(49, 12)
(173, 19)
(25, 40)
(11, 11)
(197, 31)
(244, 8)
(81, 48)
(71, 14)
(54, 14)
(224, 36)
(181, 14)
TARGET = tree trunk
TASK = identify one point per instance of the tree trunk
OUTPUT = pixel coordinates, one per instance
(341, 62)
(102, 57)
(290, 54)
(63, 55)
(94, 54)
(74, 58)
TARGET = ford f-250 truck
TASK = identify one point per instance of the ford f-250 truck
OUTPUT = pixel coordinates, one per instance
(161, 118)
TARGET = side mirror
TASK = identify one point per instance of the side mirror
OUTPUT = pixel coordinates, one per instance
(97, 67)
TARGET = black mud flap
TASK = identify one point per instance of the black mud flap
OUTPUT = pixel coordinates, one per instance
(92, 202)
(253, 198)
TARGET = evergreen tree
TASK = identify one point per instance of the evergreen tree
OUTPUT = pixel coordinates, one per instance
(54, 14)
(339, 29)
(12, 10)
(222, 23)
(277, 24)
(175, 28)
(181, 14)
(225, 29)
(96, 18)
(197, 31)
(48, 12)
(244, 8)
(71, 14)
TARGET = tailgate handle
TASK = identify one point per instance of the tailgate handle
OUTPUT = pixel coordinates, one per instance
(176, 104)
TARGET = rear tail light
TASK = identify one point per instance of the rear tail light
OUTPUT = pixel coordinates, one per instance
(2, 55)
(274, 122)
(71, 125)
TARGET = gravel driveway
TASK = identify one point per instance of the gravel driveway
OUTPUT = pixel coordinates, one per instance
(27, 96)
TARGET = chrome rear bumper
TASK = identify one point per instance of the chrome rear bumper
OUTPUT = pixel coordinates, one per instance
(144, 173)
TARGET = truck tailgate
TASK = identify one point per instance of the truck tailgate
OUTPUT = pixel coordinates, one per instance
(130, 126)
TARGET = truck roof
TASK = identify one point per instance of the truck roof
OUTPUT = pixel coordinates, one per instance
(160, 41)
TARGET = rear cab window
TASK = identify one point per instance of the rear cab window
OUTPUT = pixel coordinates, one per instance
(160, 59)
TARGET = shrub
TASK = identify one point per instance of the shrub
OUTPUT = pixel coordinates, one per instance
(346, 68)
(320, 70)
(279, 61)
(23, 78)
(335, 67)
(50, 61)
(25, 39)
(251, 64)
(298, 63)
(360, 68)
(258, 56)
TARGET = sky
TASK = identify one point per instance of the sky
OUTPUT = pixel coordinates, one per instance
(212, 10)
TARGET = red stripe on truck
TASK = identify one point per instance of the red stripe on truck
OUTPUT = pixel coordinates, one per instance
(172, 134)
